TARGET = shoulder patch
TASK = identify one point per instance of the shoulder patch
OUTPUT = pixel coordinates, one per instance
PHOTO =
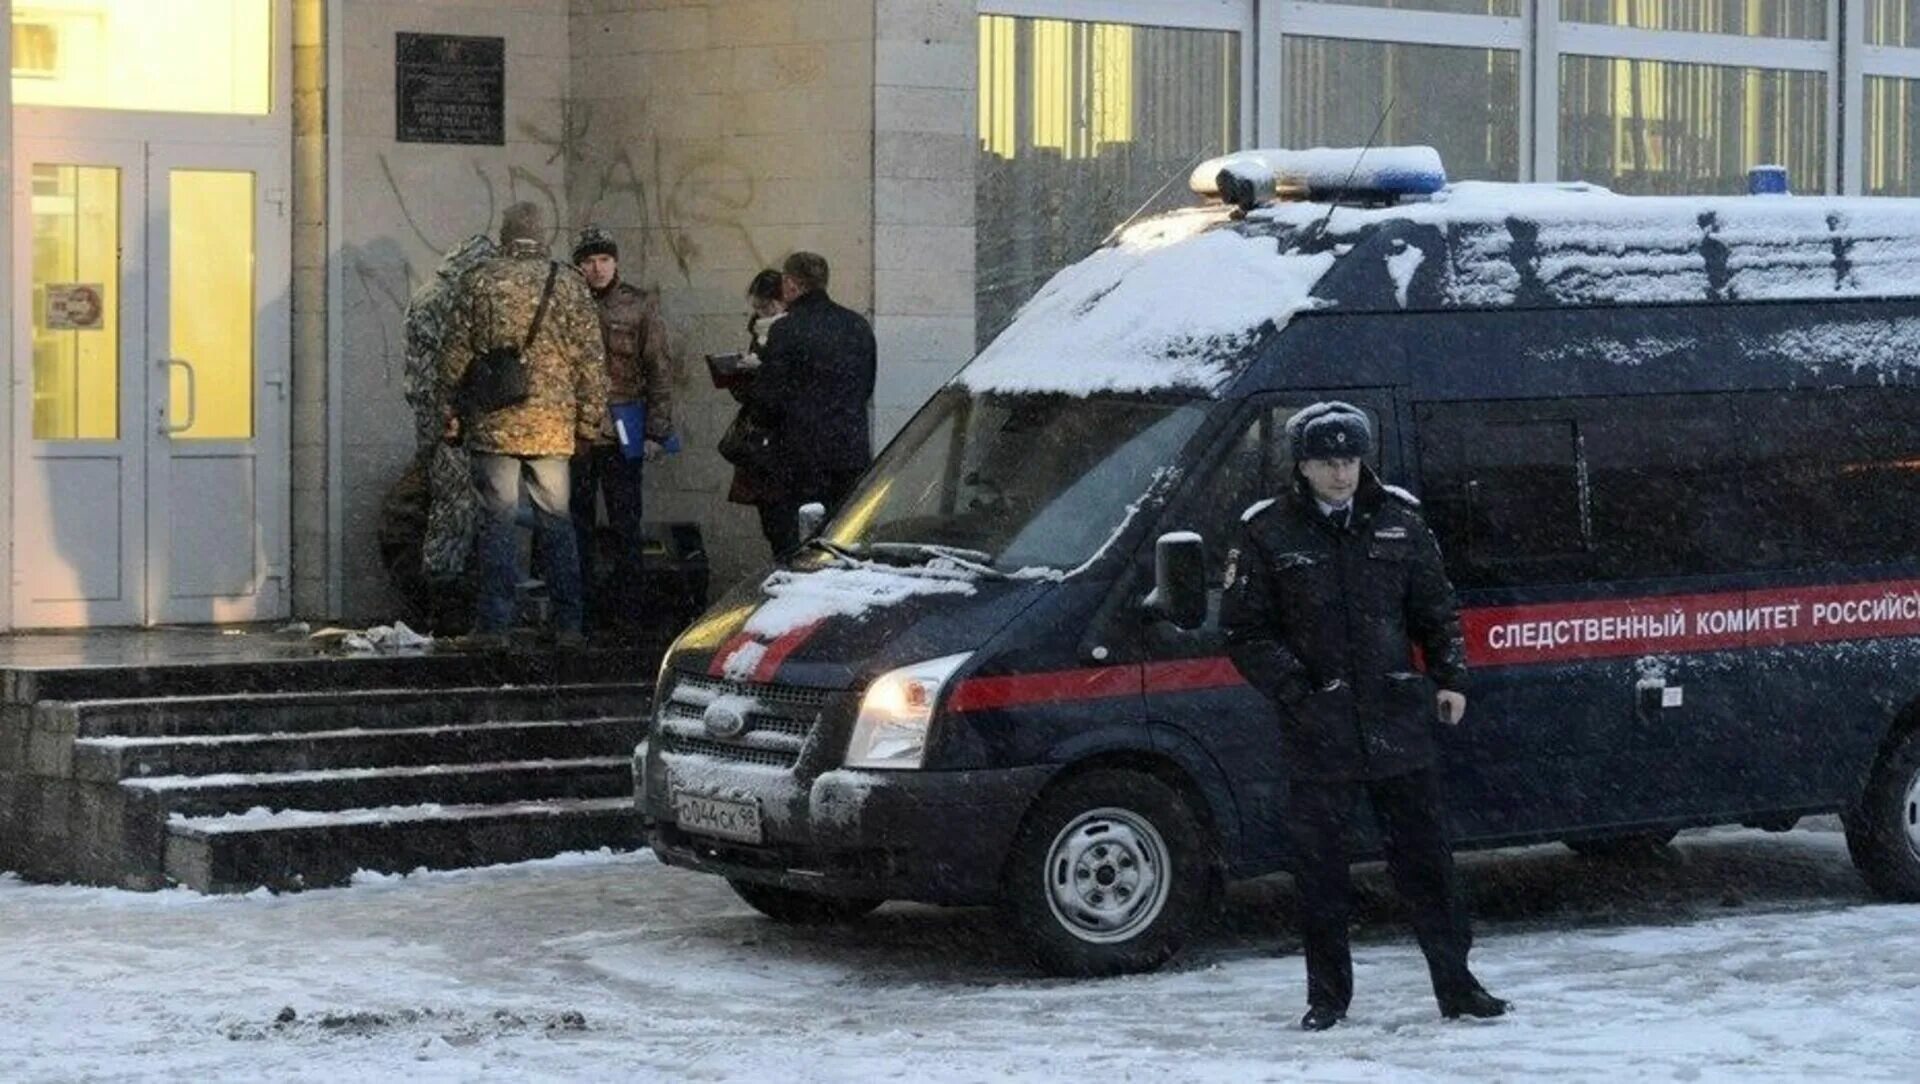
(1255, 509)
(1401, 495)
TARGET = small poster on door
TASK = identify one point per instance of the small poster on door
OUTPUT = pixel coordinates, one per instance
(75, 306)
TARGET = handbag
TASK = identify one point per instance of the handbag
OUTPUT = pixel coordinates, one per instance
(498, 379)
(745, 444)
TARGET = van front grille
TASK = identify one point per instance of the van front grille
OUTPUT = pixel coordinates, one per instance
(779, 720)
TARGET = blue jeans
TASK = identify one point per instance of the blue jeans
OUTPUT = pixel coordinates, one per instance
(498, 479)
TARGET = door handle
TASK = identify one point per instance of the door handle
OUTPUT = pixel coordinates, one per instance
(193, 397)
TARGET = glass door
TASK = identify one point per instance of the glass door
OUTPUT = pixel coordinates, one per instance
(218, 351)
(151, 462)
(79, 458)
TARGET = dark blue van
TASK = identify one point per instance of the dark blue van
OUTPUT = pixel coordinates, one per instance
(1671, 449)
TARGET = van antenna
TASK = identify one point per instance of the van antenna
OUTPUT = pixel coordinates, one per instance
(1157, 193)
(1320, 227)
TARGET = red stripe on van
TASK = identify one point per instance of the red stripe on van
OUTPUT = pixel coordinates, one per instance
(1678, 624)
(1016, 690)
(1192, 675)
(782, 646)
(716, 666)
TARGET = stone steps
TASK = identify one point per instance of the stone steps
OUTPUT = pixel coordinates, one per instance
(291, 773)
(284, 852)
(263, 713)
(111, 759)
(353, 788)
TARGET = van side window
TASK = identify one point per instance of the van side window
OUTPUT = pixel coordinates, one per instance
(1667, 486)
(1255, 465)
(1506, 488)
(1832, 475)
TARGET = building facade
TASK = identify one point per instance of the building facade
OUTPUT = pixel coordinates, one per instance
(220, 207)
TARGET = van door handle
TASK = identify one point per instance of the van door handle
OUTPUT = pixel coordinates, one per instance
(167, 365)
(1654, 695)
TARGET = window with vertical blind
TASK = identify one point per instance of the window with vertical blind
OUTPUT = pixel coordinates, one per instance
(1465, 102)
(1081, 123)
(1658, 128)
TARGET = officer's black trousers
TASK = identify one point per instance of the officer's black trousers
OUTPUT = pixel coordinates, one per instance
(1409, 811)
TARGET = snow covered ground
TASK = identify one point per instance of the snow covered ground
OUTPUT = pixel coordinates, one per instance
(1739, 957)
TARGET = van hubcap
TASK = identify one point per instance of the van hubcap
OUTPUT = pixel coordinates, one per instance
(1911, 813)
(1107, 875)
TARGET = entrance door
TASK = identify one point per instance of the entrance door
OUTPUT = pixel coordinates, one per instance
(151, 465)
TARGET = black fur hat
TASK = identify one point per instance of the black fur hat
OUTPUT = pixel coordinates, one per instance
(1332, 430)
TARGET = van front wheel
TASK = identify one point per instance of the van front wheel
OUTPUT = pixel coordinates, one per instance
(1883, 833)
(1108, 875)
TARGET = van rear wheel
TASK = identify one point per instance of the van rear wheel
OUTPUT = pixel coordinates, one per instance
(1883, 833)
(796, 908)
(1628, 845)
(1108, 875)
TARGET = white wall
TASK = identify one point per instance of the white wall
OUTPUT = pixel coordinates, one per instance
(402, 206)
(714, 137)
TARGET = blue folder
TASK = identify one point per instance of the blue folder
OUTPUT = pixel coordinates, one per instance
(630, 425)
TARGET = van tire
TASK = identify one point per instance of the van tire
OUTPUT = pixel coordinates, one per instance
(1627, 845)
(1883, 832)
(1109, 875)
(792, 907)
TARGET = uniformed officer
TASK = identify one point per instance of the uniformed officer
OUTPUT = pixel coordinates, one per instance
(1333, 584)
(637, 372)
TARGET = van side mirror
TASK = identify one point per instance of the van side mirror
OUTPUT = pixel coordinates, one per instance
(1179, 592)
(810, 518)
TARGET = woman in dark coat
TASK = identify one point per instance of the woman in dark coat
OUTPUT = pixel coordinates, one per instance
(751, 484)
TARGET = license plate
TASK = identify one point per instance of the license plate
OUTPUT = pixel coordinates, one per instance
(722, 817)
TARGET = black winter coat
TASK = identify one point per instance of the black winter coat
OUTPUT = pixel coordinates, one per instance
(1322, 619)
(812, 389)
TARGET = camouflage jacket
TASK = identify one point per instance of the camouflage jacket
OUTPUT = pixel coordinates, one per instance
(638, 356)
(428, 312)
(566, 363)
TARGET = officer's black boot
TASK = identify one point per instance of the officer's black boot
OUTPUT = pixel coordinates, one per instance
(1321, 1017)
(1472, 1001)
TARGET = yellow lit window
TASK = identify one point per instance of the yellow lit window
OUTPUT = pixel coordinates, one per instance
(180, 56)
(76, 303)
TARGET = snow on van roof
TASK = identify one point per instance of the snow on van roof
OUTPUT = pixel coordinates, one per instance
(1175, 301)
(1171, 303)
(1579, 244)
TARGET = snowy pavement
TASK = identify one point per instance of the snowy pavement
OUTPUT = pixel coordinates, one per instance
(1740, 957)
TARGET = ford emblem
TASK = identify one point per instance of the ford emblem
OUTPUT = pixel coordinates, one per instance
(723, 721)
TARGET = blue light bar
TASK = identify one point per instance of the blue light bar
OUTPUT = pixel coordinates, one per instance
(1333, 172)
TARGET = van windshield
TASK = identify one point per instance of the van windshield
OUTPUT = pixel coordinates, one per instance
(1013, 480)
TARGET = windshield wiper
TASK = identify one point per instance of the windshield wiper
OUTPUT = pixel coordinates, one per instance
(976, 561)
(832, 548)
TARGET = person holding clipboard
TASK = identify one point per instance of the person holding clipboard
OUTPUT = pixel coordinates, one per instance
(746, 445)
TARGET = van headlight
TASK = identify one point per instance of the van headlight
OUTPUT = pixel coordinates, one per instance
(896, 714)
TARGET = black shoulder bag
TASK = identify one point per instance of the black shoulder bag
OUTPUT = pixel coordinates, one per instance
(498, 378)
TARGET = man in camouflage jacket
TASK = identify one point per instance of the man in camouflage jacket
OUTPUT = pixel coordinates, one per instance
(530, 442)
(453, 509)
(638, 365)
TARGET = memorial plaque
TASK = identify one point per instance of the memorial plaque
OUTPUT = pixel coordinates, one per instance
(450, 89)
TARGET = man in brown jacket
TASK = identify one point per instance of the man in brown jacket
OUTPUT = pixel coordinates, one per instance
(528, 443)
(637, 375)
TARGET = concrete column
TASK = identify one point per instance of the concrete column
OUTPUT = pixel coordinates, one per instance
(7, 317)
(925, 142)
(311, 553)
